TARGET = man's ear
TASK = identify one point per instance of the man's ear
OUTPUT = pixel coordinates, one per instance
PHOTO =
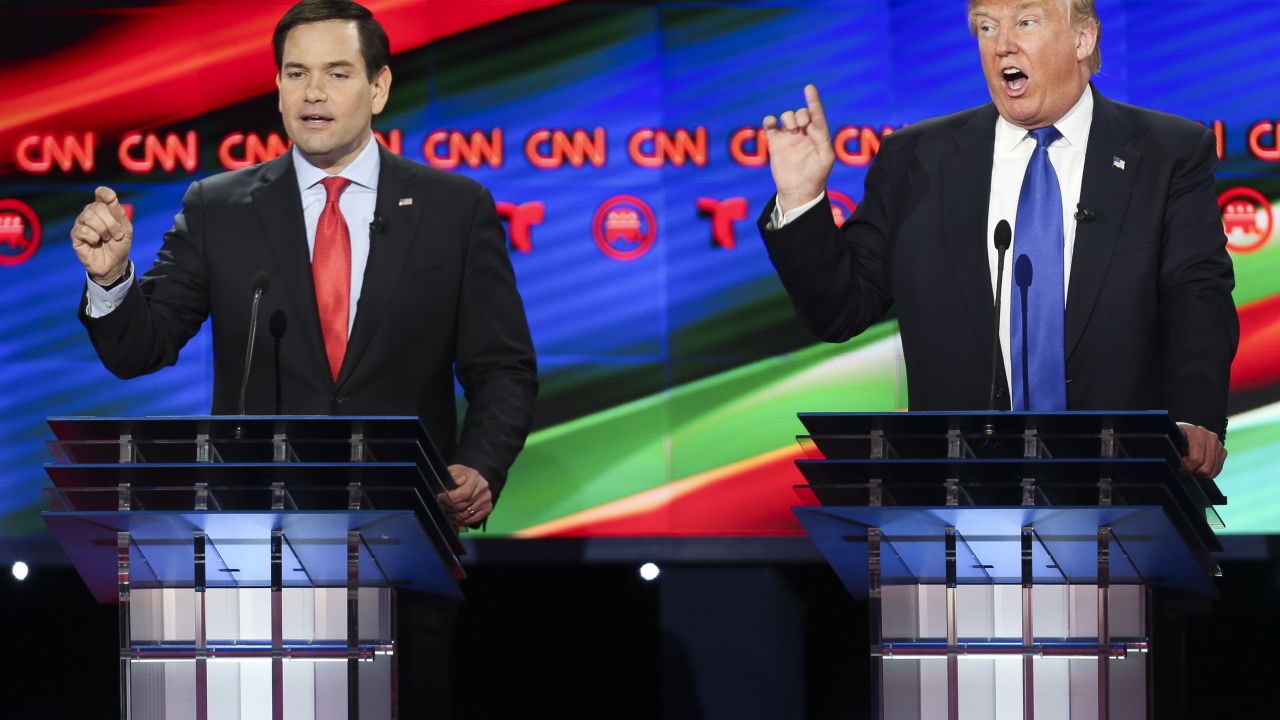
(1086, 40)
(381, 89)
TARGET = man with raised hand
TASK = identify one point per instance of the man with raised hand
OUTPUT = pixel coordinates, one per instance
(391, 277)
(1118, 276)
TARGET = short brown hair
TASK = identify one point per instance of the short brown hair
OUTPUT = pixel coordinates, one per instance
(374, 46)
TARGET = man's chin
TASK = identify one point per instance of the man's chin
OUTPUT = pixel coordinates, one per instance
(322, 155)
(1019, 114)
(310, 147)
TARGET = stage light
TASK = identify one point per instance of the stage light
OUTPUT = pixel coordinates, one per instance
(649, 571)
(20, 570)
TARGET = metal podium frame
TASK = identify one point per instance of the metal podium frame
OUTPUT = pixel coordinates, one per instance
(995, 537)
(234, 544)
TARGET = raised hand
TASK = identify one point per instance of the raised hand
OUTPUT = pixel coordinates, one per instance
(102, 236)
(800, 152)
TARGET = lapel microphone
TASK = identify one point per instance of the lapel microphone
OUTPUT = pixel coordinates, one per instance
(1084, 214)
(376, 225)
(1003, 237)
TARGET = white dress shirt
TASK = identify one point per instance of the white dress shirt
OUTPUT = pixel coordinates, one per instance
(1008, 167)
(357, 204)
(1009, 160)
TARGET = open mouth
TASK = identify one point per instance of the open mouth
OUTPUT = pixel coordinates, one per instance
(316, 120)
(1014, 79)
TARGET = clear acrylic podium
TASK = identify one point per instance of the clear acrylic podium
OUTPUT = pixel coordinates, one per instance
(1009, 559)
(255, 560)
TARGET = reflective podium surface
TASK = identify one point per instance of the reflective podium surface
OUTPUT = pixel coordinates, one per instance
(1009, 558)
(254, 559)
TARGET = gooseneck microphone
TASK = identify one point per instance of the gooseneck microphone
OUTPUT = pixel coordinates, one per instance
(261, 283)
(1002, 239)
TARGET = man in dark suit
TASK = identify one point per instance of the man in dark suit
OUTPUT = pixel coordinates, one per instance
(1114, 203)
(389, 276)
(437, 292)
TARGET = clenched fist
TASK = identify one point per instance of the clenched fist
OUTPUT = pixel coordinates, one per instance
(800, 151)
(102, 236)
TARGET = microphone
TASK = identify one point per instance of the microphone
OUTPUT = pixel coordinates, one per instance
(1084, 214)
(376, 225)
(261, 283)
(1002, 239)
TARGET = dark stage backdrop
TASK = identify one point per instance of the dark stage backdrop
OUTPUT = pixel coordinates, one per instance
(619, 139)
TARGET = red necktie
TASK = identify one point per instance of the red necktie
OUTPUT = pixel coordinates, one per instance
(331, 269)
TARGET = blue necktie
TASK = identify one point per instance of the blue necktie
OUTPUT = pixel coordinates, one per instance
(1037, 310)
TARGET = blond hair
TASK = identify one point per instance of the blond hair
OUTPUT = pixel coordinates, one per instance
(1078, 11)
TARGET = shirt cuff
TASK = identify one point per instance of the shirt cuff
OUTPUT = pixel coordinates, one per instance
(102, 301)
(779, 219)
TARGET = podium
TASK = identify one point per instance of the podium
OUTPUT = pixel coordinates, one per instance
(255, 560)
(1009, 559)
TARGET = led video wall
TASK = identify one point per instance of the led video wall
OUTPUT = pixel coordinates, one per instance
(620, 141)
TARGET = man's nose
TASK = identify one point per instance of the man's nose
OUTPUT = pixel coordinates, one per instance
(1005, 44)
(315, 93)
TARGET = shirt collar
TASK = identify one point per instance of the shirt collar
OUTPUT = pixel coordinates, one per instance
(362, 171)
(1074, 127)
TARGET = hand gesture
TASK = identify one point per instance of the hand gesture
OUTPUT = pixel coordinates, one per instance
(102, 236)
(800, 152)
(470, 501)
(1205, 453)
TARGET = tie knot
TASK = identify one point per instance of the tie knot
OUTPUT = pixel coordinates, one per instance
(1045, 136)
(333, 186)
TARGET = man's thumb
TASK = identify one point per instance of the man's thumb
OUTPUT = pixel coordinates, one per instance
(105, 195)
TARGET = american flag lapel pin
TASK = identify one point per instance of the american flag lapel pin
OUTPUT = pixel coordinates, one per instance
(406, 201)
(1116, 162)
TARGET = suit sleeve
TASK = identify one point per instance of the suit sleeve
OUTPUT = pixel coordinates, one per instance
(838, 278)
(164, 308)
(1197, 314)
(495, 359)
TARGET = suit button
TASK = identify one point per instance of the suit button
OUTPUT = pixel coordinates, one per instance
(1001, 394)
(334, 403)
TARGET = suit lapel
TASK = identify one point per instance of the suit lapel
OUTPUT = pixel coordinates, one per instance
(279, 206)
(1104, 190)
(966, 197)
(388, 251)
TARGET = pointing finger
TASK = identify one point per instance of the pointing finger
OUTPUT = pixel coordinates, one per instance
(817, 115)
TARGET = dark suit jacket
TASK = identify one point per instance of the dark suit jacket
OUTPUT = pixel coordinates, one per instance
(1150, 321)
(439, 293)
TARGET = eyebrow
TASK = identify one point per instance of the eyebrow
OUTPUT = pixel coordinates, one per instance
(334, 64)
(1022, 7)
